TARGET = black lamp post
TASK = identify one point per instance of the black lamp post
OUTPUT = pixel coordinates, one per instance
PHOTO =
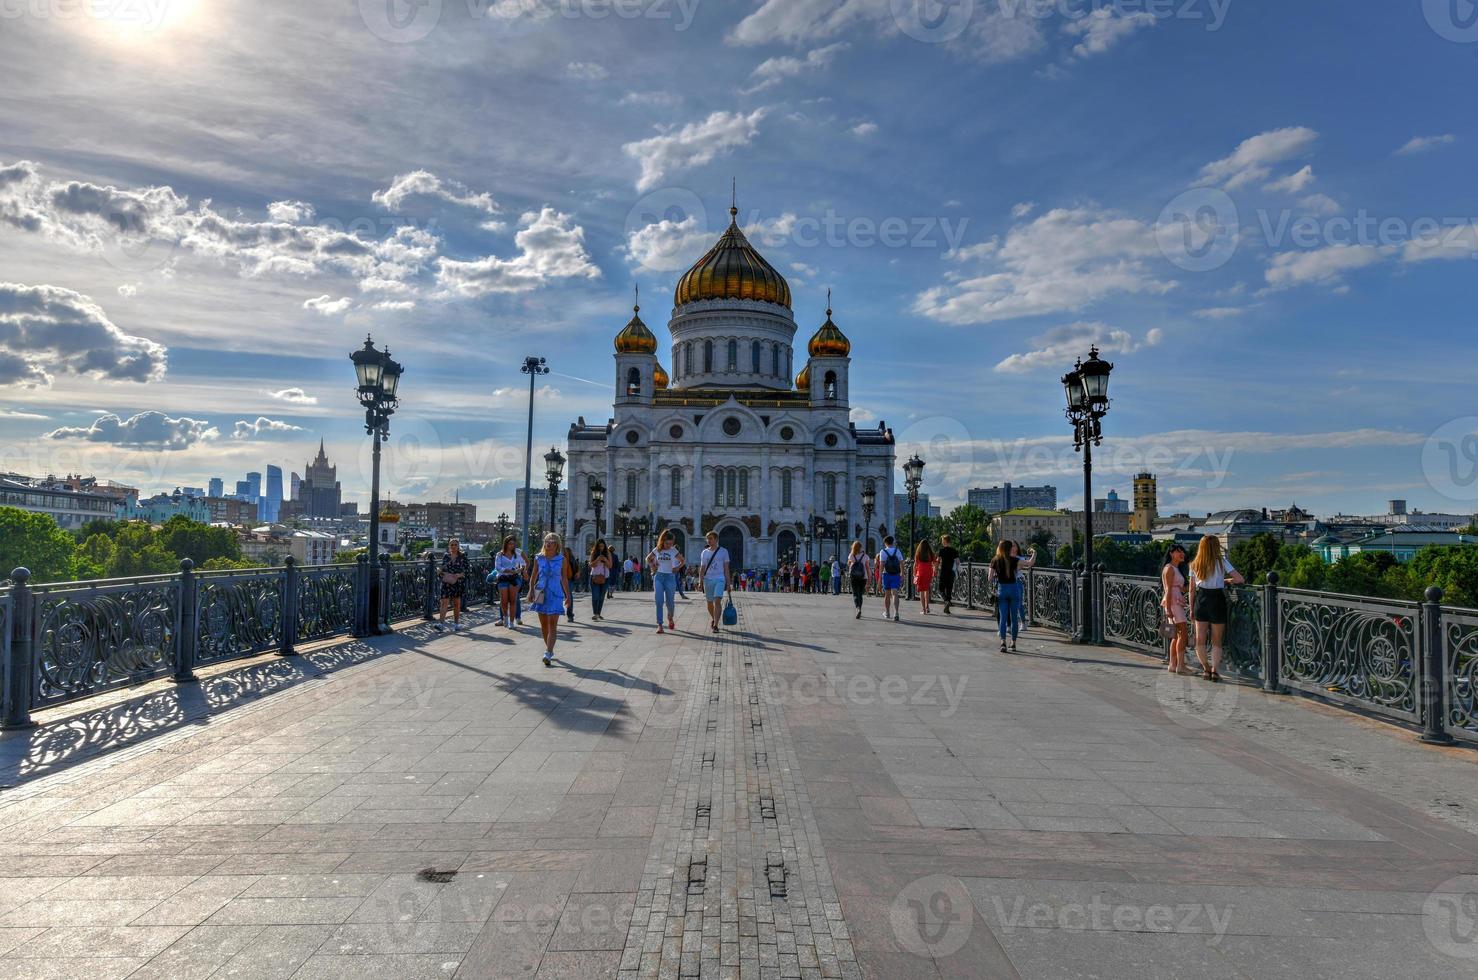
(643, 526)
(598, 501)
(840, 526)
(869, 501)
(913, 478)
(554, 470)
(533, 367)
(623, 525)
(379, 378)
(1086, 387)
(503, 525)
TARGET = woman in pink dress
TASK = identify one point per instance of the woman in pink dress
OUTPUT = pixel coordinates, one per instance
(1173, 601)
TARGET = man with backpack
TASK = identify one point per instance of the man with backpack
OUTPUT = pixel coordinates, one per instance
(890, 559)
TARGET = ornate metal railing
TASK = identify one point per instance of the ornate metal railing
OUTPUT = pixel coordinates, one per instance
(409, 587)
(1246, 628)
(238, 613)
(1361, 651)
(1460, 643)
(1132, 612)
(326, 600)
(1049, 598)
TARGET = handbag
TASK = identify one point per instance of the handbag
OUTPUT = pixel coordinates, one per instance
(1167, 630)
(731, 615)
(536, 594)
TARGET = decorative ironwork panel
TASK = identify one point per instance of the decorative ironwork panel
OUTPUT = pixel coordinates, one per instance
(407, 590)
(325, 600)
(1050, 598)
(237, 614)
(7, 626)
(1460, 641)
(982, 593)
(478, 589)
(1242, 650)
(1361, 651)
(95, 637)
(1132, 612)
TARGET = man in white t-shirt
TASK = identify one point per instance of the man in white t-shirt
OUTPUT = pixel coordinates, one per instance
(890, 559)
(714, 567)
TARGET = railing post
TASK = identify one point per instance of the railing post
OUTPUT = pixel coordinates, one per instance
(382, 579)
(189, 632)
(1075, 601)
(20, 669)
(286, 647)
(1434, 677)
(969, 585)
(1272, 650)
(1099, 602)
(433, 590)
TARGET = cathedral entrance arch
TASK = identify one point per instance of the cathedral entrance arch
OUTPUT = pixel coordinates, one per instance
(731, 539)
(786, 547)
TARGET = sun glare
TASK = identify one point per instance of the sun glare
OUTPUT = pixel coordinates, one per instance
(136, 21)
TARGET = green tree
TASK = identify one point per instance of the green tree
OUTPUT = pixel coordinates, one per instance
(138, 552)
(97, 526)
(198, 542)
(35, 542)
(1305, 571)
(1453, 568)
(1255, 557)
(1363, 573)
(95, 556)
(1040, 540)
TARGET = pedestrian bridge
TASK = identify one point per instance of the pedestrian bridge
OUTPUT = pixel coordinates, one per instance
(806, 795)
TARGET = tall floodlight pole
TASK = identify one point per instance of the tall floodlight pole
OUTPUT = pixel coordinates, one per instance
(533, 367)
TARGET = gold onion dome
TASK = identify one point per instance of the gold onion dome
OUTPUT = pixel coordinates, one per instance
(803, 380)
(635, 338)
(732, 269)
(829, 341)
(660, 380)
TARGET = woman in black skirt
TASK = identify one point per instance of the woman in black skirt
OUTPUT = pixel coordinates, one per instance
(454, 570)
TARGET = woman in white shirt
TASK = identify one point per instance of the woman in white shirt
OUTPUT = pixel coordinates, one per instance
(665, 562)
(1211, 573)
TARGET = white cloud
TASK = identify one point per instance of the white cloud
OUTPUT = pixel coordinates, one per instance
(586, 71)
(7, 413)
(693, 145)
(325, 305)
(400, 305)
(1319, 204)
(1451, 242)
(1064, 260)
(861, 415)
(1022, 209)
(1101, 29)
(265, 428)
(48, 329)
(290, 212)
(1254, 158)
(799, 21)
(773, 71)
(659, 99)
(1055, 349)
(423, 183)
(1423, 144)
(865, 129)
(128, 290)
(294, 396)
(1324, 266)
(1220, 312)
(147, 430)
(667, 245)
(803, 268)
(1294, 183)
(551, 246)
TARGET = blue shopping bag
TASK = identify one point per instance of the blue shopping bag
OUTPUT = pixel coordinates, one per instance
(731, 615)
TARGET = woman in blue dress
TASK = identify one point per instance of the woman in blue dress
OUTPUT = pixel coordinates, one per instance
(548, 586)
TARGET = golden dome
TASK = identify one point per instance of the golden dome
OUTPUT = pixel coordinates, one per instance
(829, 341)
(803, 380)
(732, 269)
(660, 380)
(635, 338)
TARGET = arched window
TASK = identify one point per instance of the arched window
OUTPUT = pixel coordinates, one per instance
(788, 364)
(733, 489)
(831, 491)
(718, 488)
(707, 357)
(743, 488)
(631, 489)
(775, 360)
(754, 357)
(688, 358)
(633, 382)
(733, 355)
(829, 386)
(677, 487)
(786, 489)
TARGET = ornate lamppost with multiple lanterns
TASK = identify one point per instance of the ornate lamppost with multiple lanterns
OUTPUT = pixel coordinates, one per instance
(554, 470)
(533, 367)
(1086, 387)
(379, 380)
(840, 527)
(913, 478)
(869, 502)
(623, 527)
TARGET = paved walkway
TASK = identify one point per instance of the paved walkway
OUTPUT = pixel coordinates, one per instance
(806, 796)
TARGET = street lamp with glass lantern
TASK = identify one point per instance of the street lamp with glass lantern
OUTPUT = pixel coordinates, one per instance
(379, 380)
(913, 478)
(841, 526)
(598, 501)
(554, 469)
(869, 501)
(533, 367)
(1086, 389)
(623, 524)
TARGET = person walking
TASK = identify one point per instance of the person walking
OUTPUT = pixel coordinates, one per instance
(1211, 573)
(713, 566)
(824, 581)
(923, 573)
(547, 590)
(859, 571)
(1005, 570)
(629, 571)
(665, 563)
(505, 580)
(948, 559)
(891, 561)
(836, 575)
(573, 565)
(1173, 601)
(454, 569)
(600, 573)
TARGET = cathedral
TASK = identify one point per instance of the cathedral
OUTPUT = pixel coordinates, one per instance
(728, 440)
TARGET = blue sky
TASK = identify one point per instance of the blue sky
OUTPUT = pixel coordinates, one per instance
(1262, 212)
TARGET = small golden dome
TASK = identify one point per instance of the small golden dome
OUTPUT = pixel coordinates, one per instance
(733, 269)
(803, 380)
(660, 380)
(635, 338)
(829, 341)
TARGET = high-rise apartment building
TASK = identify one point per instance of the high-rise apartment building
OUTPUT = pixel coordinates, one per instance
(1146, 504)
(216, 487)
(995, 500)
(272, 500)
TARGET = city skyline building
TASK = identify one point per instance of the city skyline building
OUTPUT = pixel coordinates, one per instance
(994, 500)
(216, 487)
(271, 504)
